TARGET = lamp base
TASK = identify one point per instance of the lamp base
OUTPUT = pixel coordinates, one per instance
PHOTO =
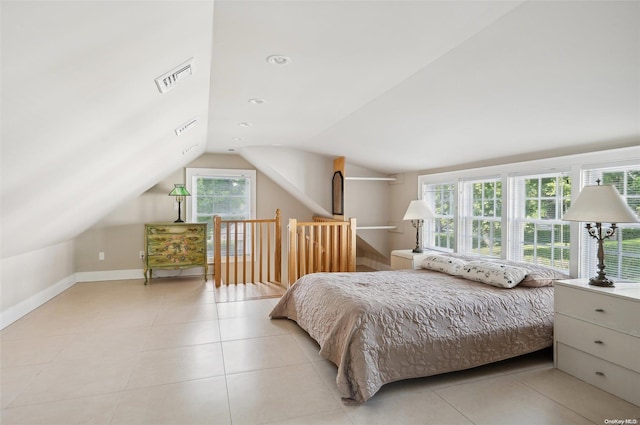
(417, 250)
(601, 281)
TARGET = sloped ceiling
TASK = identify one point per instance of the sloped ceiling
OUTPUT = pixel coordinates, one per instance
(84, 127)
(391, 85)
(398, 86)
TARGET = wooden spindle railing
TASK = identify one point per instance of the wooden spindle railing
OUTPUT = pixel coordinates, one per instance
(321, 245)
(264, 258)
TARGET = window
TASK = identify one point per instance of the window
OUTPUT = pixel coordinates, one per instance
(441, 230)
(482, 217)
(622, 251)
(539, 235)
(227, 193)
(516, 213)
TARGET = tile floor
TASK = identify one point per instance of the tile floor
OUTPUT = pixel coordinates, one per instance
(124, 353)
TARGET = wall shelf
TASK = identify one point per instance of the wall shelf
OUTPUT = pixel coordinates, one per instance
(375, 227)
(385, 179)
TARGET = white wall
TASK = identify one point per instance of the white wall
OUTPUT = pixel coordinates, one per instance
(31, 279)
(84, 126)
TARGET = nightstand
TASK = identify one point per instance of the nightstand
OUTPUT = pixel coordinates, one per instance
(597, 335)
(405, 259)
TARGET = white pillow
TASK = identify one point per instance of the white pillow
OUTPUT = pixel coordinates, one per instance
(500, 275)
(441, 263)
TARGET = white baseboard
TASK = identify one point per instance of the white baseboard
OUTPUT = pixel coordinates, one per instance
(109, 275)
(25, 307)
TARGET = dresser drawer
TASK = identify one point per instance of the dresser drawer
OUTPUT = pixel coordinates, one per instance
(608, 311)
(616, 347)
(175, 246)
(612, 378)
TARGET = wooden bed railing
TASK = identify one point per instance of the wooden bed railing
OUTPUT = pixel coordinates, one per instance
(324, 244)
(252, 250)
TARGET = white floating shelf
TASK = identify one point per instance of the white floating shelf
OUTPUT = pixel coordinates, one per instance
(375, 227)
(385, 179)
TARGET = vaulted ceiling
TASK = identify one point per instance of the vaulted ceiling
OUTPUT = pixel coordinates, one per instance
(392, 85)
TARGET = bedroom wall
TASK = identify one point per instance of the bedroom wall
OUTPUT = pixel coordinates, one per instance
(120, 234)
(401, 194)
(28, 280)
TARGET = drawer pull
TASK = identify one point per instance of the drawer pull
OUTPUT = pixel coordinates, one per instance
(600, 310)
(600, 373)
(597, 341)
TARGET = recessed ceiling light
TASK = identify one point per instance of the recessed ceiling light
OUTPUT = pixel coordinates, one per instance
(278, 60)
(245, 124)
(256, 101)
(237, 139)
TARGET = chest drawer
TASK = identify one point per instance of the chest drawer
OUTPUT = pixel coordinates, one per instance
(610, 377)
(175, 245)
(616, 347)
(608, 311)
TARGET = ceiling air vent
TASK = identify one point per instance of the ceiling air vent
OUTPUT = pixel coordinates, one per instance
(167, 81)
(186, 126)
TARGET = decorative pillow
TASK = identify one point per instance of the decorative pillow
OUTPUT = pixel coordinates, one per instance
(537, 274)
(442, 263)
(495, 274)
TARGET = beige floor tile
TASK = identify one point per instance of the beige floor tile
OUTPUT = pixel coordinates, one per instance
(242, 292)
(328, 373)
(172, 365)
(43, 324)
(339, 417)
(15, 380)
(96, 410)
(202, 401)
(73, 379)
(278, 394)
(591, 402)
(192, 311)
(308, 345)
(261, 353)
(236, 309)
(504, 400)
(121, 318)
(253, 327)
(182, 334)
(32, 351)
(110, 344)
(413, 403)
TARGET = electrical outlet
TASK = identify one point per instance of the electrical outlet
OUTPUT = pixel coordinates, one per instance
(101, 256)
(141, 255)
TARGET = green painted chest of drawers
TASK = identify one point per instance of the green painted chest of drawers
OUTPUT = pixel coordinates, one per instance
(175, 246)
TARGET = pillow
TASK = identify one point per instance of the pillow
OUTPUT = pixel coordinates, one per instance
(495, 274)
(537, 274)
(441, 263)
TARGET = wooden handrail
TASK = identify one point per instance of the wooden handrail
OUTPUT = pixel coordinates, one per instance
(325, 244)
(265, 253)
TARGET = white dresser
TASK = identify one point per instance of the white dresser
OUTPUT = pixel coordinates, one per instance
(405, 259)
(597, 335)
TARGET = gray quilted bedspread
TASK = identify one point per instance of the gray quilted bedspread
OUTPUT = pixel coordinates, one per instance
(381, 327)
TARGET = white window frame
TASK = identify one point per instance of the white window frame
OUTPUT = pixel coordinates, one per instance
(192, 173)
(429, 194)
(575, 163)
(517, 220)
(467, 216)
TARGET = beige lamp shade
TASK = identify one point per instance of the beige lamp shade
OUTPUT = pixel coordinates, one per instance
(418, 210)
(600, 204)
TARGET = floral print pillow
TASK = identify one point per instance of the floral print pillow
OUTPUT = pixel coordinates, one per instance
(444, 264)
(500, 275)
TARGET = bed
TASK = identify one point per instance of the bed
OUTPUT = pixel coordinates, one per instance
(385, 326)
